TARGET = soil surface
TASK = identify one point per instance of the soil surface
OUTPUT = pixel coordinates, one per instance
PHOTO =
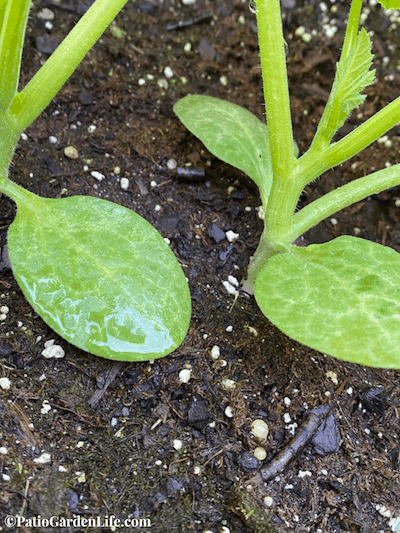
(85, 437)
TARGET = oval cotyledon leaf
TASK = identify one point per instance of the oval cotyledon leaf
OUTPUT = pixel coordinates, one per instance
(100, 275)
(231, 133)
(341, 298)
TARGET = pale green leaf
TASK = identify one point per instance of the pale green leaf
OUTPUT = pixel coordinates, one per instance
(232, 134)
(341, 298)
(100, 275)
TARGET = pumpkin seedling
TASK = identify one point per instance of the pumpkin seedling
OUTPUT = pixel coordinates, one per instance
(99, 274)
(341, 297)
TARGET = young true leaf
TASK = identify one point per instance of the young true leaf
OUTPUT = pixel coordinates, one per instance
(232, 134)
(341, 298)
(100, 275)
(352, 76)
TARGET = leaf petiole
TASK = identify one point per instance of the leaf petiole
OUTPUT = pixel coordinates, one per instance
(352, 28)
(310, 167)
(14, 16)
(346, 195)
(32, 100)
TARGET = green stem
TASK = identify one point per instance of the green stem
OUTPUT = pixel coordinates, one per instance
(9, 137)
(365, 134)
(282, 203)
(265, 250)
(284, 195)
(279, 218)
(342, 197)
(328, 124)
(285, 190)
(42, 88)
(14, 17)
(20, 195)
(275, 83)
(3, 7)
(310, 167)
(352, 28)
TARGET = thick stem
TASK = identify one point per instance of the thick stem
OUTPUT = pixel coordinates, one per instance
(275, 83)
(265, 250)
(284, 194)
(342, 197)
(34, 98)
(279, 218)
(282, 203)
(8, 141)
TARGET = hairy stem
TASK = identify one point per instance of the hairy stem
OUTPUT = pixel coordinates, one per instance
(279, 219)
(352, 28)
(310, 167)
(8, 141)
(34, 98)
(18, 193)
(275, 83)
(14, 17)
(342, 197)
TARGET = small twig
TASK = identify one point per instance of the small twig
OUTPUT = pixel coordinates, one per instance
(109, 378)
(234, 302)
(24, 422)
(305, 433)
(167, 401)
(25, 496)
(213, 456)
(214, 395)
(191, 174)
(186, 23)
(84, 418)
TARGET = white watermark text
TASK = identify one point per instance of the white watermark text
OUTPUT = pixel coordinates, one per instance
(77, 521)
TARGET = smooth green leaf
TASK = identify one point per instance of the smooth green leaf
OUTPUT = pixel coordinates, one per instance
(232, 134)
(390, 4)
(341, 298)
(100, 275)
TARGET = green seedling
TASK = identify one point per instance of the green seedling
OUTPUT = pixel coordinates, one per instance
(342, 297)
(99, 274)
